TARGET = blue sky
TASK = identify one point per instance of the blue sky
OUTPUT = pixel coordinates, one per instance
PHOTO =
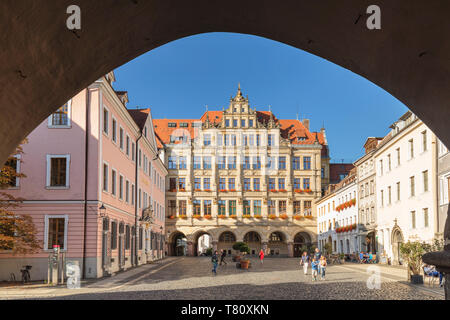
(179, 79)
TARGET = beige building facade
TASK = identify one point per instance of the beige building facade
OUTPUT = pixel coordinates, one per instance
(242, 175)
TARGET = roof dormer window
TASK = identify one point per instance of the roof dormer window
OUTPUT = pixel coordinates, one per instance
(184, 125)
(172, 125)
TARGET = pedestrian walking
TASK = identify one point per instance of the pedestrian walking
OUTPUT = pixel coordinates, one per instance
(304, 261)
(315, 269)
(323, 267)
(261, 256)
(222, 256)
(214, 260)
(317, 255)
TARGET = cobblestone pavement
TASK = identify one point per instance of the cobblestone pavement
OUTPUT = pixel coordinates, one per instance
(192, 279)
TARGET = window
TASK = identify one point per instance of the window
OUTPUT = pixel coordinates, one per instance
(172, 125)
(120, 187)
(206, 163)
(250, 123)
(246, 164)
(258, 142)
(271, 205)
(14, 164)
(282, 206)
(307, 208)
(232, 207)
(296, 184)
(412, 186)
(222, 207)
(182, 162)
(257, 207)
(413, 219)
(206, 184)
(113, 235)
(58, 171)
(182, 207)
(221, 162)
(182, 184)
(398, 191)
(184, 125)
(411, 148)
(113, 182)
(196, 207)
(227, 123)
(426, 223)
(222, 185)
(246, 207)
(207, 139)
(232, 162)
(127, 191)
(127, 238)
(105, 120)
(306, 184)
(389, 162)
(219, 139)
(133, 152)
(306, 163)
(173, 162)
(281, 184)
(256, 184)
(121, 141)
(207, 207)
(270, 140)
(141, 238)
(231, 184)
(127, 146)
(389, 195)
(271, 183)
(172, 184)
(271, 163)
(197, 162)
(61, 117)
(424, 141)
(242, 123)
(382, 197)
(114, 130)
(256, 163)
(398, 156)
(381, 167)
(56, 227)
(425, 180)
(297, 207)
(235, 123)
(251, 140)
(282, 163)
(197, 183)
(296, 163)
(245, 140)
(233, 139)
(246, 184)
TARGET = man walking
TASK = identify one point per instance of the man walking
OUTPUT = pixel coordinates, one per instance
(223, 254)
(214, 260)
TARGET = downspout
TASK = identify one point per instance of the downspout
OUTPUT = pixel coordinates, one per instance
(86, 162)
(435, 146)
(136, 203)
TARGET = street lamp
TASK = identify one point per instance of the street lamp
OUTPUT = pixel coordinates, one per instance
(102, 210)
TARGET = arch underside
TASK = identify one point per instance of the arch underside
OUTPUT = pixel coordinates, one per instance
(44, 64)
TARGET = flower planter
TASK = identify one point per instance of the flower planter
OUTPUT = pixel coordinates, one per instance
(245, 263)
(236, 258)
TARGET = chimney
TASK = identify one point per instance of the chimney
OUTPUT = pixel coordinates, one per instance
(306, 123)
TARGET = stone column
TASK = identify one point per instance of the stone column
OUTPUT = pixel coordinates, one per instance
(290, 246)
(214, 245)
(264, 247)
(190, 249)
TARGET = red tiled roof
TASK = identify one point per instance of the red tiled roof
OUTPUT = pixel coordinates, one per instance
(290, 129)
(336, 169)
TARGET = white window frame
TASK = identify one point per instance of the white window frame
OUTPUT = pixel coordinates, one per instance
(115, 182)
(18, 160)
(114, 138)
(122, 141)
(66, 223)
(103, 177)
(121, 186)
(103, 121)
(48, 175)
(127, 145)
(69, 118)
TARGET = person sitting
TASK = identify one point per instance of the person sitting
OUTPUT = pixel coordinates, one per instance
(370, 258)
(432, 272)
(362, 259)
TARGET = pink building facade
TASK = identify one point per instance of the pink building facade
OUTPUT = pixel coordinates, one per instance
(94, 185)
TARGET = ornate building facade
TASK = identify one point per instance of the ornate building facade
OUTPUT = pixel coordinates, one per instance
(242, 175)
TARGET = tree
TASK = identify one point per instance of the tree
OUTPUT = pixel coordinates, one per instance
(17, 232)
(412, 252)
(241, 247)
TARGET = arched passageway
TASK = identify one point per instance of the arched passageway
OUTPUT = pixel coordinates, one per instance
(277, 245)
(397, 240)
(44, 64)
(203, 241)
(253, 240)
(302, 242)
(177, 245)
(226, 241)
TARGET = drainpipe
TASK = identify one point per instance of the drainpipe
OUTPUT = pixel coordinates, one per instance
(136, 203)
(86, 162)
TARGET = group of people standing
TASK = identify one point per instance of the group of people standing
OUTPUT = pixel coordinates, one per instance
(318, 264)
(223, 253)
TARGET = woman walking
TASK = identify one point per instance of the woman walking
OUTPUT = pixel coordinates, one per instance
(261, 256)
(323, 267)
(215, 261)
(304, 261)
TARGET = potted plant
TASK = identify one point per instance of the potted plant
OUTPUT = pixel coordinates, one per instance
(243, 249)
(272, 216)
(258, 216)
(233, 216)
(208, 217)
(412, 252)
(342, 257)
(298, 217)
(284, 216)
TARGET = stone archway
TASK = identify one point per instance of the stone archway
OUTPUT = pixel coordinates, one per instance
(397, 240)
(177, 244)
(226, 241)
(277, 244)
(40, 75)
(198, 247)
(302, 240)
(253, 240)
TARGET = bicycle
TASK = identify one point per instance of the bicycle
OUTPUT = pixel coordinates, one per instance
(26, 277)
